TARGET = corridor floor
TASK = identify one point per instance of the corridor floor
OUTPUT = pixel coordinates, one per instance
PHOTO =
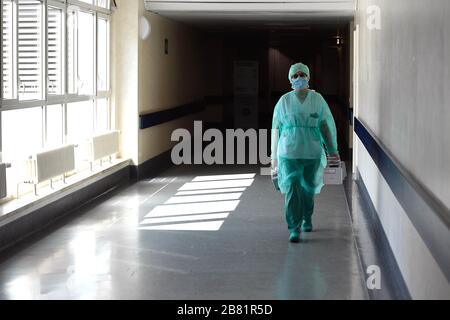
(194, 232)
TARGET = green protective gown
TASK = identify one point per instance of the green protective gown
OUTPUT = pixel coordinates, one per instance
(302, 133)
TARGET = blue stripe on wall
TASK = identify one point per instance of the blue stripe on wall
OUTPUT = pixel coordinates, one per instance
(154, 118)
(429, 216)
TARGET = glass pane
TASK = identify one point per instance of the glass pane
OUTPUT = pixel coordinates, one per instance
(103, 55)
(21, 133)
(8, 86)
(30, 49)
(54, 126)
(72, 73)
(103, 3)
(80, 121)
(85, 53)
(102, 121)
(55, 51)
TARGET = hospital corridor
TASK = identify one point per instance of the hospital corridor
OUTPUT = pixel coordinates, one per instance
(224, 150)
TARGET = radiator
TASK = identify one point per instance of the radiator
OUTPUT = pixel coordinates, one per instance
(50, 163)
(3, 192)
(104, 145)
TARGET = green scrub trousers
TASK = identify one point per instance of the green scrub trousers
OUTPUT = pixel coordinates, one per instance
(300, 180)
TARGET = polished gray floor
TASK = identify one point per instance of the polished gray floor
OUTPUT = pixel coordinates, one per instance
(108, 251)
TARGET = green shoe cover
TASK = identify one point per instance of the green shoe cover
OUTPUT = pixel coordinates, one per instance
(307, 226)
(294, 237)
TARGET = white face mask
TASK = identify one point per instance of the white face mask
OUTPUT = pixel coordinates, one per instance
(299, 83)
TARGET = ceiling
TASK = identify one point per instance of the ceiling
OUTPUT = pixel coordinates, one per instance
(265, 14)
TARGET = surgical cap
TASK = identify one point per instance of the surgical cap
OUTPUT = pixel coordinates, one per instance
(298, 67)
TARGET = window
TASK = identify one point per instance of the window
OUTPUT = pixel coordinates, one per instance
(55, 74)
(30, 50)
(80, 121)
(72, 49)
(102, 55)
(103, 3)
(81, 52)
(21, 133)
(8, 53)
(54, 125)
(86, 53)
(102, 116)
(99, 3)
(55, 51)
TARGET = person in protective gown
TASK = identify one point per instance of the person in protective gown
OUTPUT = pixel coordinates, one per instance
(303, 131)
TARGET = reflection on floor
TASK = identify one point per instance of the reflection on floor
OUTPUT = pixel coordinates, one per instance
(195, 232)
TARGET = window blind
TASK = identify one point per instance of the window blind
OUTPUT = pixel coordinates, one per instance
(30, 49)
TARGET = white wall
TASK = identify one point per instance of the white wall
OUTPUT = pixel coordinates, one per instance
(404, 86)
(404, 97)
(124, 77)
